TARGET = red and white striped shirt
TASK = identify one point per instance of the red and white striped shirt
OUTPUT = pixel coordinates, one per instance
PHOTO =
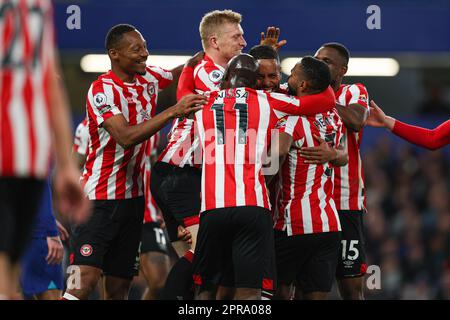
(183, 140)
(305, 203)
(27, 53)
(349, 191)
(151, 212)
(81, 139)
(235, 131)
(111, 172)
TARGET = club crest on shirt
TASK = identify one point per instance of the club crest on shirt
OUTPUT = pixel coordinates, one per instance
(86, 250)
(151, 89)
(215, 76)
(363, 98)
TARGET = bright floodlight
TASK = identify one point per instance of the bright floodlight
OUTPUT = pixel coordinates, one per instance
(100, 63)
(363, 67)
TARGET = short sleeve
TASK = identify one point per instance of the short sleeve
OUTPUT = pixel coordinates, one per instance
(101, 103)
(359, 95)
(163, 76)
(207, 78)
(289, 125)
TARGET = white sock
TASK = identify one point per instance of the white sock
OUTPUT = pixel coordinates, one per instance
(68, 296)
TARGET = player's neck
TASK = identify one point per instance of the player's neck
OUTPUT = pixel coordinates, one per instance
(217, 58)
(337, 85)
(125, 77)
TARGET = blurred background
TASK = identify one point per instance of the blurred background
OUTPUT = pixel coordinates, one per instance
(408, 220)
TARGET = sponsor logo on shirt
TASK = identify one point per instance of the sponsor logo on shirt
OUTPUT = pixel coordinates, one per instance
(215, 76)
(100, 102)
(99, 99)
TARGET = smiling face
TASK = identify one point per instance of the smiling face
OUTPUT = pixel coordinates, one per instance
(131, 53)
(269, 75)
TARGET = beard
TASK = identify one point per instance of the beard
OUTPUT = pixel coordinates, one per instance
(140, 71)
(333, 82)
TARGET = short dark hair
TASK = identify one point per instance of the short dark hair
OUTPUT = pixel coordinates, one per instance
(241, 72)
(264, 52)
(339, 47)
(115, 34)
(317, 73)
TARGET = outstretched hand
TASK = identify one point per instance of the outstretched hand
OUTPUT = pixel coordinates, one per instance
(377, 116)
(188, 104)
(271, 38)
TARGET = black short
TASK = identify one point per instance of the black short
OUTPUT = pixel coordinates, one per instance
(308, 261)
(19, 204)
(111, 237)
(352, 254)
(177, 193)
(235, 248)
(153, 238)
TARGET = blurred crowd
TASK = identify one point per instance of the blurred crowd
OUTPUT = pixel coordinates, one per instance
(408, 222)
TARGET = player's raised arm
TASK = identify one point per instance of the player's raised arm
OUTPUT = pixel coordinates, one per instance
(430, 139)
(310, 83)
(271, 38)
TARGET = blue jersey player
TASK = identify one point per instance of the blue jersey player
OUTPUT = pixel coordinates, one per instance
(42, 275)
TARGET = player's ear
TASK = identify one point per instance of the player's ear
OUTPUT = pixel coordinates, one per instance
(303, 86)
(213, 41)
(344, 70)
(113, 54)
